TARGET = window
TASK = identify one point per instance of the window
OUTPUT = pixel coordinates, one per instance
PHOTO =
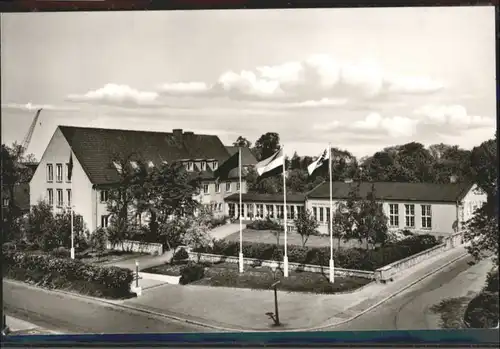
(134, 165)
(300, 210)
(59, 172)
(410, 216)
(315, 213)
(190, 166)
(426, 216)
(60, 198)
(104, 196)
(289, 212)
(279, 210)
(203, 166)
(217, 187)
(228, 187)
(68, 196)
(232, 210)
(327, 214)
(67, 174)
(270, 211)
(241, 210)
(250, 211)
(205, 188)
(237, 186)
(5, 202)
(50, 196)
(215, 164)
(220, 207)
(394, 215)
(117, 166)
(50, 172)
(104, 221)
(321, 216)
(260, 210)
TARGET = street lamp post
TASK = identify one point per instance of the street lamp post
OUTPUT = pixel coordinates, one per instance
(137, 273)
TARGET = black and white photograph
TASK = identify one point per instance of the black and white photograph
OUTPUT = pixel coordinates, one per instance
(249, 170)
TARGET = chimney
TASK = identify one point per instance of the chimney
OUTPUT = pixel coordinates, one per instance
(177, 133)
(453, 179)
(188, 134)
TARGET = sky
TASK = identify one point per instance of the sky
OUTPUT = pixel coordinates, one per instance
(360, 79)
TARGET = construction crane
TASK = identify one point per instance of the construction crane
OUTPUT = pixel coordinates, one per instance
(29, 134)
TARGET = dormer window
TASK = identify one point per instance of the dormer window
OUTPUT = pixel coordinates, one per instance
(151, 164)
(203, 166)
(117, 166)
(215, 164)
(189, 166)
(134, 165)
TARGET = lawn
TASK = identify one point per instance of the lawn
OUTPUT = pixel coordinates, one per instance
(268, 237)
(228, 275)
(451, 312)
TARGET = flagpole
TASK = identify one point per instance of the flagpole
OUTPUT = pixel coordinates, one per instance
(285, 256)
(240, 213)
(332, 265)
(72, 251)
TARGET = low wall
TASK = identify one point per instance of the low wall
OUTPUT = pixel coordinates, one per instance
(215, 258)
(390, 271)
(137, 246)
(174, 280)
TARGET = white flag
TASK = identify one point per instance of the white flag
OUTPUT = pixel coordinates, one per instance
(320, 161)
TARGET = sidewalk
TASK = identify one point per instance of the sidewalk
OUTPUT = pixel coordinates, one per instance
(21, 327)
(222, 231)
(244, 309)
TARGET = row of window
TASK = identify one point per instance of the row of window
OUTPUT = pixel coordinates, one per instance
(228, 187)
(59, 197)
(188, 165)
(59, 173)
(263, 211)
(322, 214)
(426, 216)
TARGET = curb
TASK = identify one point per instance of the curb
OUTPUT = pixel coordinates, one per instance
(226, 329)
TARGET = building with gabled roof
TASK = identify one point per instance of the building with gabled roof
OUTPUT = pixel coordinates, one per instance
(98, 155)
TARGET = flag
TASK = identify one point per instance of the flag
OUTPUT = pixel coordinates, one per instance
(272, 165)
(70, 166)
(222, 172)
(320, 161)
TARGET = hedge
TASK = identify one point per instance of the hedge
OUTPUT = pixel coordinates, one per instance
(62, 273)
(266, 224)
(355, 258)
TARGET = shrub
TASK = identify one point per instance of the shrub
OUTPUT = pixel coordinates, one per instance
(266, 224)
(217, 222)
(482, 311)
(61, 252)
(492, 281)
(192, 272)
(181, 255)
(52, 272)
(354, 258)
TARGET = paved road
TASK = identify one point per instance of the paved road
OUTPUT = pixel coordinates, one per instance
(410, 309)
(71, 315)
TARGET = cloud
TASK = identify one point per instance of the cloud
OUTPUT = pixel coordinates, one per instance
(32, 107)
(317, 78)
(115, 94)
(455, 116)
(396, 126)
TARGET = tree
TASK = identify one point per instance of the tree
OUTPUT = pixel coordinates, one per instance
(306, 225)
(267, 145)
(296, 181)
(371, 221)
(242, 142)
(174, 233)
(343, 223)
(14, 172)
(197, 233)
(484, 163)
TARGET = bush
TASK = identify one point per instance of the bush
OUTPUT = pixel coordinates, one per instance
(355, 258)
(52, 272)
(266, 224)
(217, 222)
(192, 272)
(181, 255)
(482, 311)
(492, 281)
(61, 252)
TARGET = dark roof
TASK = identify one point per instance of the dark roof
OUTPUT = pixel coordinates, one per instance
(274, 198)
(247, 157)
(95, 148)
(395, 191)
